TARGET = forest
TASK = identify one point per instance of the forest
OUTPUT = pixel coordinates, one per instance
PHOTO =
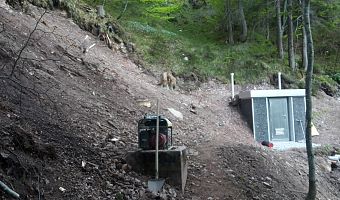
(213, 38)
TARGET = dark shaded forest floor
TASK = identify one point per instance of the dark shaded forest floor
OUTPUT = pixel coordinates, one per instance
(67, 119)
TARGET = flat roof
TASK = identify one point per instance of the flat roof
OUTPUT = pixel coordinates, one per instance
(272, 93)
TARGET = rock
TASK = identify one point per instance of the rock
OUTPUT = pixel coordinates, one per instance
(172, 192)
(62, 189)
(192, 152)
(193, 111)
(267, 184)
(163, 196)
(145, 103)
(130, 47)
(126, 167)
(141, 192)
(176, 113)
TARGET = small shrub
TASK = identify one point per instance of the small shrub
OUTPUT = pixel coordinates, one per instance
(336, 77)
(324, 150)
(326, 83)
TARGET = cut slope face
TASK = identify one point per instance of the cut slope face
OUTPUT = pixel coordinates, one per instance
(59, 114)
(62, 111)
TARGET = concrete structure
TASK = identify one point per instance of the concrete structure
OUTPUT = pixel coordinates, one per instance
(282, 146)
(172, 164)
(275, 115)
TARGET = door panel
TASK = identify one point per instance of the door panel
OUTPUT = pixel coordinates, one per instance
(278, 119)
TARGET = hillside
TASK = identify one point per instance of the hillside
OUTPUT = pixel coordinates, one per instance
(61, 108)
(193, 35)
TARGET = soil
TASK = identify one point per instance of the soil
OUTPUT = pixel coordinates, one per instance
(67, 120)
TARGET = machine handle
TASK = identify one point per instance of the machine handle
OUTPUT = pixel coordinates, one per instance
(157, 140)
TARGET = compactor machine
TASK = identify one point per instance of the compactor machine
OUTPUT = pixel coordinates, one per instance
(147, 133)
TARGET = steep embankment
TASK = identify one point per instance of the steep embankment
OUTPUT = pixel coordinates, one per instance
(62, 109)
(57, 112)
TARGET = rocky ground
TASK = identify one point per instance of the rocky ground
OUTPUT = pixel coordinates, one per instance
(67, 120)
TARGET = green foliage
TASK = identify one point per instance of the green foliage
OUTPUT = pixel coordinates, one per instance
(172, 34)
(42, 3)
(336, 77)
(120, 196)
(161, 9)
(324, 150)
(325, 83)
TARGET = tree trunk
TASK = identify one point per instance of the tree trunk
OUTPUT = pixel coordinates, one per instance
(291, 54)
(279, 29)
(304, 42)
(310, 55)
(244, 33)
(229, 23)
(304, 51)
(267, 21)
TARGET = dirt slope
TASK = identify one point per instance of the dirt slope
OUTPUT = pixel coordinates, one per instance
(62, 108)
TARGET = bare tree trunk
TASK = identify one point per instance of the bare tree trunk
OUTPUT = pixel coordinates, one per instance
(310, 52)
(284, 15)
(244, 33)
(291, 53)
(267, 21)
(279, 29)
(304, 51)
(229, 23)
(304, 41)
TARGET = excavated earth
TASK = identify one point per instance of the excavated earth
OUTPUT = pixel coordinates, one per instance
(67, 120)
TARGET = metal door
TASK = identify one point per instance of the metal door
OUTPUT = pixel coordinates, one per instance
(278, 119)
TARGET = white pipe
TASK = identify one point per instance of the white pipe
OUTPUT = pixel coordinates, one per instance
(157, 138)
(279, 80)
(232, 86)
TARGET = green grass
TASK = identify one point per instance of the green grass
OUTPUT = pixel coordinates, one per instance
(164, 43)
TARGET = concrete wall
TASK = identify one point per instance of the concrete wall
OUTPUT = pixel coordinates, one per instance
(172, 164)
(260, 119)
(299, 114)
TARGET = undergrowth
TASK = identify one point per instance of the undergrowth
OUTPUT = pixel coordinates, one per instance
(192, 41)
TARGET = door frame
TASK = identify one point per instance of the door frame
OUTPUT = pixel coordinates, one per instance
(289, 118)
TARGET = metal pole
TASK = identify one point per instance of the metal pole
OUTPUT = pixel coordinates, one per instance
(157, 138)
(232, 86)
(279, 80)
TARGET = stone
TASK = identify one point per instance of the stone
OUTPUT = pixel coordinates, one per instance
(126, 167)
(176, 113)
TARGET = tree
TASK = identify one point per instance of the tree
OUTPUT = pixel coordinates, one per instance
(279, 29)
(229, 22)
(310, 55)
(267, 20)
(291, 53)
(244, 33)
(304, 42)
